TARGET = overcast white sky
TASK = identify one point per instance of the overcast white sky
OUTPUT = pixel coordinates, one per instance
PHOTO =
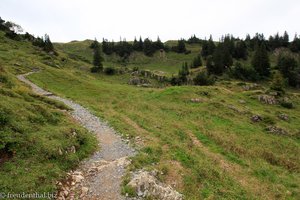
(66, 20)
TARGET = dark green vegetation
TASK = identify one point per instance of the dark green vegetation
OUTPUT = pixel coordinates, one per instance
(203, 138)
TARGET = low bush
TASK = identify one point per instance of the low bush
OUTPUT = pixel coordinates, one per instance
(203, 78)
(110, 71)
(287, 104)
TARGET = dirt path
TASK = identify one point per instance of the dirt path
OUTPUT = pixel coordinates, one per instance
(98, 177)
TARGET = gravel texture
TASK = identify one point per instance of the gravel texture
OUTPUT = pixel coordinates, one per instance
(100, 176)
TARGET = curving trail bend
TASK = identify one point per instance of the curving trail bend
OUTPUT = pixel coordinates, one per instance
(100, 176)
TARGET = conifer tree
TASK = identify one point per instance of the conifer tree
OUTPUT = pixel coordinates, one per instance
(197, 62)
(183, 73)
(277, 82)
(260, 60)
(48, 46)
(181, 46)
(141, 45)
(98, 59)
(135, 45)
(148, 47)
(288, 66)
(285, 39)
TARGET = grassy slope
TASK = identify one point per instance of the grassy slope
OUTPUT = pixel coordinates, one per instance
(33, 128)
(208, 148)
(171, 63)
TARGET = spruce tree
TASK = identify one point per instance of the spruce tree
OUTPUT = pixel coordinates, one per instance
(149, 48)
(288, 66)
(211, 46)
(183, 73)
(135, 45)
(181, 46)
(277, 83)
(141, 45)
(285, 39)
(48, 46)
(197, 62)
(260, 60)
(158, 44)
(98, 59)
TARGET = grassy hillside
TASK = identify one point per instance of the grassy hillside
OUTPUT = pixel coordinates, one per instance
(206, 148)
(171, 63)
(36, 133)
(202, 139)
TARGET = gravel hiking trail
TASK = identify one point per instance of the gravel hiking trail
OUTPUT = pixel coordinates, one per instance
(100, 176)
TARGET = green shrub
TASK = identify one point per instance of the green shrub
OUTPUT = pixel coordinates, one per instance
(277, 83)
(4, 117)
(268, 120)
(96, 69)
(203, 78)
(287, 104)
(110, 71)
(3, 79)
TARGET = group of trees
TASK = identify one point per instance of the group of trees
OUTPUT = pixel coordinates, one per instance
(14, 31)
(42, 42)
(180, 47)
(124, 48)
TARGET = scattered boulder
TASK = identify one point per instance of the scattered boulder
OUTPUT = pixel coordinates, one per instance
(60, 152)
(242, 101)
(146, 185)
(138, 81)
(256, 118)
(251, 87)
(72, 149)
(276, 130)
(84, 191)
(283, 117)
(196, 100)
(267, 99)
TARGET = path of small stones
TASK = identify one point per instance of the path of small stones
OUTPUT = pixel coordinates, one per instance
(100, 176)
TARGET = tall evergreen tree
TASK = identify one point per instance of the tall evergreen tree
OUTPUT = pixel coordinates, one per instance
(158, 44)
(288, 66)
(260, 60)
(183, 73)
(197, 62)
(208, 47)
(277, 82)
(141, 45)
(240, 50)
(285, 40)
(181, 46)
(149, 48)
(222, 60)
(98, 59)
(211, 46)
(48, 46)
(295, 44)
(135, 45)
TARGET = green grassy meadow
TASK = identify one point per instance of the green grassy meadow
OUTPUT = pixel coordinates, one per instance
(36, 133)
(209, 149)
(232, 158)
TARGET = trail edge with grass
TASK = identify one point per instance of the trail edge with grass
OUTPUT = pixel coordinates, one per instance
(100, 176)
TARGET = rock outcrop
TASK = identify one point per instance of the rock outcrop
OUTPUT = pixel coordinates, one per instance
(146, 185)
